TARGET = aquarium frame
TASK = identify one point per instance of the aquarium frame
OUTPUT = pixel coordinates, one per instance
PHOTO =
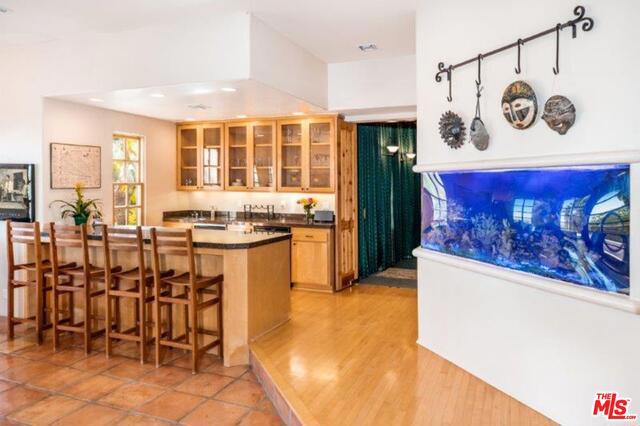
(630, 303)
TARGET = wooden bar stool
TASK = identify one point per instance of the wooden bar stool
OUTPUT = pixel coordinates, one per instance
(134, 284)
(194, 292)
(84, 279)
(29, 235)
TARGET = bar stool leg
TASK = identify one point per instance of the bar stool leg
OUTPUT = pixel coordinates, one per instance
(10, 307)
(158, 323)
(107, 320)
(87, 316)
(39, 306)
(142, 314)
(55, 315)
(193, 302)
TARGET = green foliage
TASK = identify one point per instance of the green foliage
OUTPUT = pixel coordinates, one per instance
(80, 207)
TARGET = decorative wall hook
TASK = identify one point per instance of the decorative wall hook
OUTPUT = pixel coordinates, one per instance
(479, 80)
(556, 69)
(518, 69)
(586, 24)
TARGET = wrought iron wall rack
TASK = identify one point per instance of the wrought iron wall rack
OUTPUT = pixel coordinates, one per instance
(580, 18)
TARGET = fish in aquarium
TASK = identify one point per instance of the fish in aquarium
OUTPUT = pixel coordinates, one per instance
(565, 223)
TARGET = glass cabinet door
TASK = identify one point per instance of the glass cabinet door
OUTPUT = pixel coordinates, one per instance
(263, 156)
(212, 156)
(188, 157)
(237, 157)
(320, 153)
(291, 155)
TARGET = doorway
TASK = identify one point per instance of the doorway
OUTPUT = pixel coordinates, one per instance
(389, 204)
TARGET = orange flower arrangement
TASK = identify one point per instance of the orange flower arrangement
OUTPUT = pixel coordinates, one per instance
(308, 204)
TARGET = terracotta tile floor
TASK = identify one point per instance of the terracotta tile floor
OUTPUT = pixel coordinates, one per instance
(38, 387)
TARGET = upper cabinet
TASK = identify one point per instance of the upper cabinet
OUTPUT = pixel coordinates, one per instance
(287, 155)
(306, 155)
(200, 157)
(251, 148)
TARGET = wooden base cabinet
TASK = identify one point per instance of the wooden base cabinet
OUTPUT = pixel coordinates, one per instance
(312, 259)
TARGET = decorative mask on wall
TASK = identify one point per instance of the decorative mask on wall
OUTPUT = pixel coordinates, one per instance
(452, 130)
(559, 114)
(520, 105)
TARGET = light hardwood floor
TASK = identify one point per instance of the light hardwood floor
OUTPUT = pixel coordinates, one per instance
(351, 359)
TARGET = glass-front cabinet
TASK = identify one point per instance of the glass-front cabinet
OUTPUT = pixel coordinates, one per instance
(306, 154)
(200, 157)
(296, 154)
(212, 155)
(251, 151)
(263, 156)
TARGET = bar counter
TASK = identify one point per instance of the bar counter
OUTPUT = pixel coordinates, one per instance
(256, 290)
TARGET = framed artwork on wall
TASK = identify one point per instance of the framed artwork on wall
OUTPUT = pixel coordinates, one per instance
(17, 192)
(71, 164)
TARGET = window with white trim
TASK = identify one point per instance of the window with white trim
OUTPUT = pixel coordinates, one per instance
(128, 188)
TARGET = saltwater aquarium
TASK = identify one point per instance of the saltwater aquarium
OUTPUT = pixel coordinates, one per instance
(566, 223)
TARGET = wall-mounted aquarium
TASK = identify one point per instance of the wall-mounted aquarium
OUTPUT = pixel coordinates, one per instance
(566, 223)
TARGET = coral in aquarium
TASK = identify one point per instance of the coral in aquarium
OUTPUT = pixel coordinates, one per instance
(566, 223)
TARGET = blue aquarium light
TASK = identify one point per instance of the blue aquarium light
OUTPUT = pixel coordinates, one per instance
(567, 223)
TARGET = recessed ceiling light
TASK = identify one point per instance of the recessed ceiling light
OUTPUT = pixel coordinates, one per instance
(228, 89)
(298, 113)
(157, 95)
(241, 116)
(189, 119)
(368, 47)
(202, 91)
(96, 100)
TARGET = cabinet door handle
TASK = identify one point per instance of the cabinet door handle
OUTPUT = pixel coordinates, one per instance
(308, 236)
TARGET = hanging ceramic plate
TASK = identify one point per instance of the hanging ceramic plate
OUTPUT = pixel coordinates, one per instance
(478, 134)
(520, 105)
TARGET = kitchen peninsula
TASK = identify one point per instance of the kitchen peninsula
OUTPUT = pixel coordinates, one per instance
(256, 269)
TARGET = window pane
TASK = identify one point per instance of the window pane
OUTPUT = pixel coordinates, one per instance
(132, 172)
(118, 171)
(132, 216)
(120, 195)
(134, 195)
(133, 149)
(118, 148)
(119, 217)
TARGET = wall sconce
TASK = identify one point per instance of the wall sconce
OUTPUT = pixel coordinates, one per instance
(393, 149)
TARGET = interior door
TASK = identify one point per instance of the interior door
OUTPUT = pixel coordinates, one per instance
(347, 207)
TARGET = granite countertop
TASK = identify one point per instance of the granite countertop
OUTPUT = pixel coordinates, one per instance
(218, 239)
(289, 220)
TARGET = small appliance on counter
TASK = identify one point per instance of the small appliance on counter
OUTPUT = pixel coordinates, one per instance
(325, 216)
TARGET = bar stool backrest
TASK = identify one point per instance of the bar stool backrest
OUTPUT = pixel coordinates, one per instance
(68, 236)
(23, 233)
(174, 242)
(123, 239)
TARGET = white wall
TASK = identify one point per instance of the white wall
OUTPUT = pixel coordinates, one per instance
(280, 63)
(372, 84)
(551, 352)
(66, 122)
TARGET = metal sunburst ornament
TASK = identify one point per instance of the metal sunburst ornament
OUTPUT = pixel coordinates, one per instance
(452, 130)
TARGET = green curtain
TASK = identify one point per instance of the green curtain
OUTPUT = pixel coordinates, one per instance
(388, 196)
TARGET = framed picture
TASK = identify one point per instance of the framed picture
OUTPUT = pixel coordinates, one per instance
(71, 164)
(17, 192)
